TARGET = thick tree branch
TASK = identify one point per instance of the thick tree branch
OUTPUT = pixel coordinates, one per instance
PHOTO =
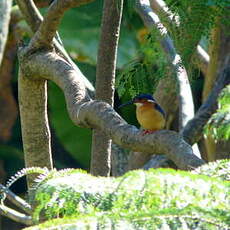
(105, 81)
(30, 13)
(203, 59)
(192, 132)
(34, 20)
(95, 114)
(47, 30)
(5, 9)
(185, 95)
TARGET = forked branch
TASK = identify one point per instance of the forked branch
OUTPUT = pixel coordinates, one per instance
(95, 114)
(85, 112)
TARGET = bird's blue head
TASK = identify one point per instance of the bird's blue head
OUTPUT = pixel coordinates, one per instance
(142, 99)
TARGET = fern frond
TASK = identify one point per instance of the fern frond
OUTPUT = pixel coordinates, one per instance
(24, 172)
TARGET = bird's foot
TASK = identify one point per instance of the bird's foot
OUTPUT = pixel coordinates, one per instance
(148, 131)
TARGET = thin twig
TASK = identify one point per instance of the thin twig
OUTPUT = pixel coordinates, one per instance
(16, 200)
(16, 216)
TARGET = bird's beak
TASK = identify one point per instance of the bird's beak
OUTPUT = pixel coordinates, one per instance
(127, 103)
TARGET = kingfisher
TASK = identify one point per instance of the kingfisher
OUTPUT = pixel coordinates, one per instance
(149, 113)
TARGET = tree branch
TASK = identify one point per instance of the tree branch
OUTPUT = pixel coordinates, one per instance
(34, 20)
(47, 30)
(5, 9)
(185, 95)
(192, 132)
(16, 216)
(30, 13)
(95, 114)
(16, 200)
(105, 81)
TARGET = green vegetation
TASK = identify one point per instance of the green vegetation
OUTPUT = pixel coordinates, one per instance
(219, 124)
(218, 169)
(155, 199)
(143, 73)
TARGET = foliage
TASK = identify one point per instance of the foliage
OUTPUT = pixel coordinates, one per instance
(191, 22)
(142, 74)
(196, 18)
(219, 124)
(155, 199)
(20, 174)
(218, 169)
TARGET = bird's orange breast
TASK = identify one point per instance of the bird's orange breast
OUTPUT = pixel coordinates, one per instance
(150, 118)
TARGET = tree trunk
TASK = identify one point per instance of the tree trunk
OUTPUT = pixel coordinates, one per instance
(105, 79)
(34, 123)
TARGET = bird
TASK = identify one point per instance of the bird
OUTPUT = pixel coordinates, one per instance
(149, 113)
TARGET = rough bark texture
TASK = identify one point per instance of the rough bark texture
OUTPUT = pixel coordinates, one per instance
(119, 161)
(5, 8)
(105, 82)
(34, 122)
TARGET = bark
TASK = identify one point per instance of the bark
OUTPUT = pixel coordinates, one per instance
(119, 161)
(34, 20)
(34, 123)
(5, 9)
(105, 82)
